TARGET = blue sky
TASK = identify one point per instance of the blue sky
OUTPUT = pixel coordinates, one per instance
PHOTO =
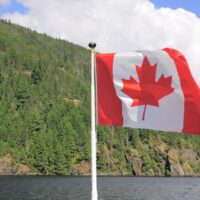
(113, 25)
(190, 5)
(13, 7)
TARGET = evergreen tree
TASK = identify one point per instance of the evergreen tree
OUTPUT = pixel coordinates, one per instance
(35, 77)
(45, 111)
(60, 161)
(136, 138)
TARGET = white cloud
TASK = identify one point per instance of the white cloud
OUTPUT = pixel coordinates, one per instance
(4, 2)
(116, 25)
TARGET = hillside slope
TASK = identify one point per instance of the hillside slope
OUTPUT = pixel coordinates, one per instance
(45, 117)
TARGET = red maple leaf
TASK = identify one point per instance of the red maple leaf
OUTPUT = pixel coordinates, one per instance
(147, 91)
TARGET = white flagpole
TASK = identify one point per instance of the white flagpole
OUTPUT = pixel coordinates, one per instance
(93, 125)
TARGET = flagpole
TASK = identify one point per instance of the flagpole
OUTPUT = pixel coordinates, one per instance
(93, 125)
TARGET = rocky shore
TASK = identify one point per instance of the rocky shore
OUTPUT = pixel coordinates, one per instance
(174, 163)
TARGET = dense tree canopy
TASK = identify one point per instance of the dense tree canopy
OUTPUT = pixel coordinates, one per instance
(45, 109)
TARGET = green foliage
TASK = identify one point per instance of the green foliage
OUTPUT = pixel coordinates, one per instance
(44, 103)
(45, 109)
(35, 77)
(148, 163)
(136, 139)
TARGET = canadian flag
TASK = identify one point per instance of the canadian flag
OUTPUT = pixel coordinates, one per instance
(147, 89)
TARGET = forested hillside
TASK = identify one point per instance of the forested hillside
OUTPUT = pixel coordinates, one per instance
(45, 116)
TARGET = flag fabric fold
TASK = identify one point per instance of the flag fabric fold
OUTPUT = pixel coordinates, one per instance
(147, 89)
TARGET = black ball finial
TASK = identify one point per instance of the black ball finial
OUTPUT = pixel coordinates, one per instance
(92, 45)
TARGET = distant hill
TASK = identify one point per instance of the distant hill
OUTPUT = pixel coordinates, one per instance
(45, 117)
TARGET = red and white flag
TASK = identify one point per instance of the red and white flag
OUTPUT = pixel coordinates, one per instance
(147, 89)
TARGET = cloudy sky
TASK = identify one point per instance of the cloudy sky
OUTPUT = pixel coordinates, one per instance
(115, 25)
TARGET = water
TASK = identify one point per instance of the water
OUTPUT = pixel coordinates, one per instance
(109, 188)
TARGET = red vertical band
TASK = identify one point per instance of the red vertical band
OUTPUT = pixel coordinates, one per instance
(190, 90)
(109, 105)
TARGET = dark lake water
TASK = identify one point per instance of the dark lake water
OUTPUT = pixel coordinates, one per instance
(109, 188)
